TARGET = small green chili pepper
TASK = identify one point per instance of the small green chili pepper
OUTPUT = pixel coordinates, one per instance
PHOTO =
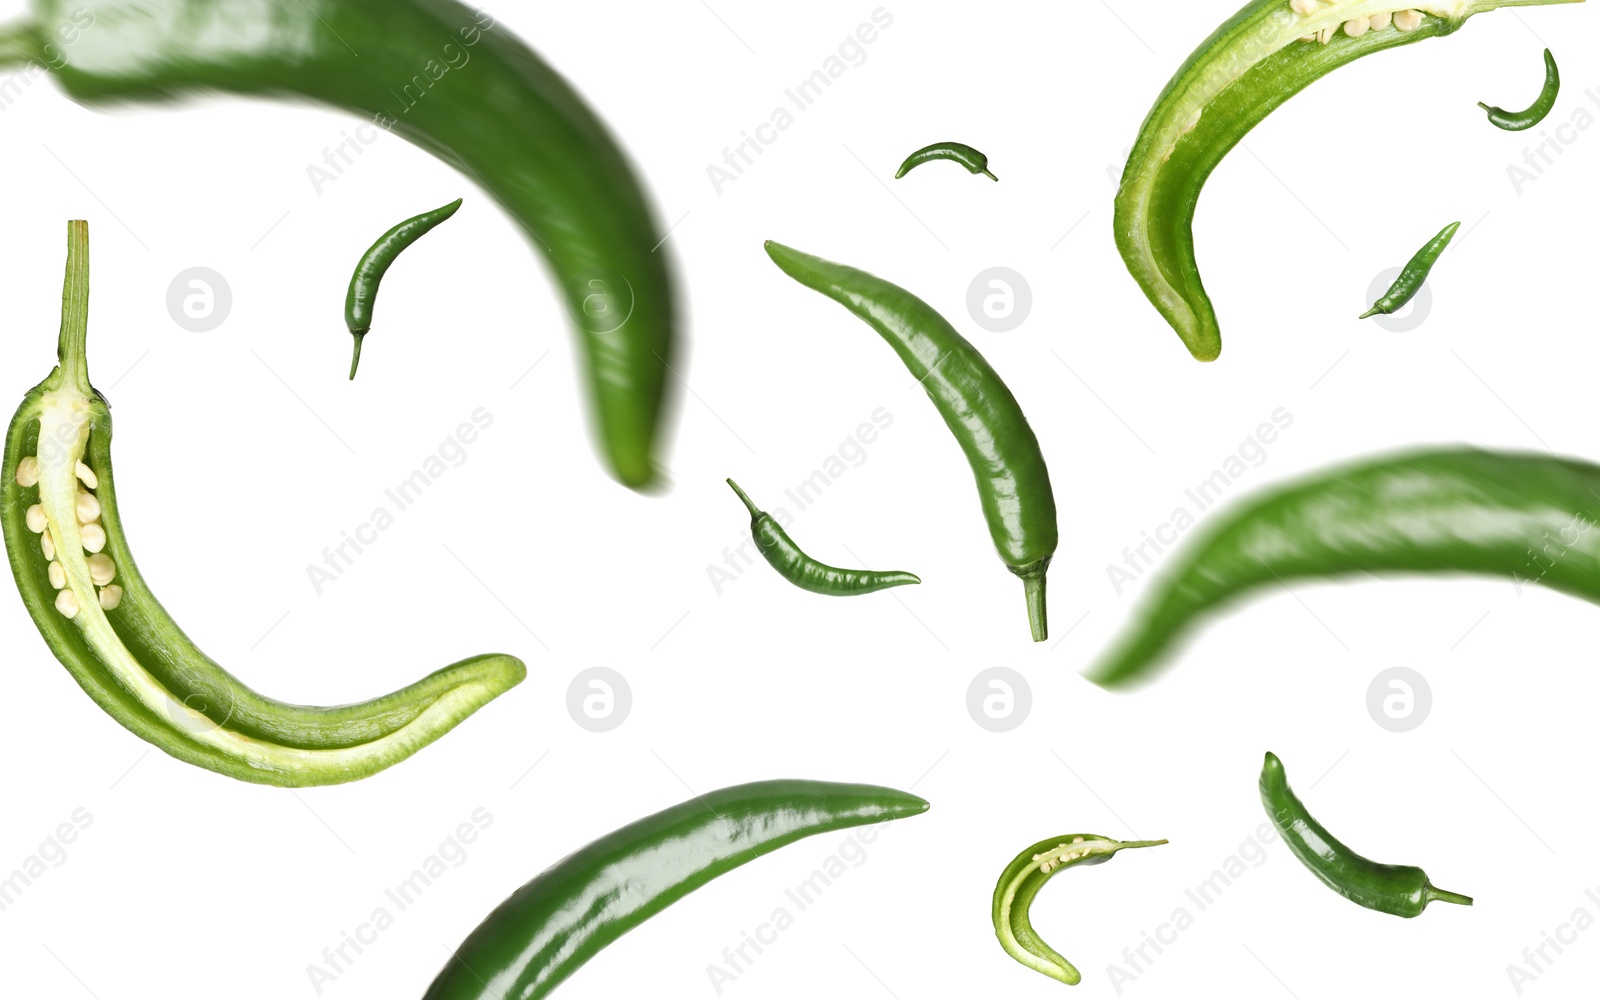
(1022, 880)
(554, 924)
(1013, 481)
(363, 294)
(1403, 891)
(1414, 274)
(804, 572)
(1518, 121)
(960, 152)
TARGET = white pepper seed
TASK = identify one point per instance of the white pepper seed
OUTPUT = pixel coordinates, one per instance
(1381, 21)
(48, 546)
(67, 603)
(58, 575)
(88, 508)
(37, 521)
(101, 569)
(28, 473)
(87, 477)
(93, 537)
(1408, 20)
(110, 597)
(1357, 27)
(1326, 35)
(1303, 7)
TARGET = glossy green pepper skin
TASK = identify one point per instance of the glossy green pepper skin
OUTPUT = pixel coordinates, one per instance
(459, 85)
(1399, 890)
(362, 295)
(791, 562)
(1414, 275)
(564, 917)
(1521, 121)
(958, 152)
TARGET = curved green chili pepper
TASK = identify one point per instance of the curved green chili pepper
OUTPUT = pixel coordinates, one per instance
(1013, 481)
(1413, 275)
(564, 917)
(64, 537)
(455, 82)
(1403, 891)
(1257, 60)
(960, 152)
(363, 294)
(1518, 121)
(1527, 517)
(1025, 876)
(804, 572)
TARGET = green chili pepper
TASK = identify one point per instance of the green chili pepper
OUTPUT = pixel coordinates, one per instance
(1414, 274)
(804, 572)
(1262, 56)
(455, 82)
(1518, 121)
(363, 294)
(1022, 880)
(960, 152)
(1013, 482)
(564, 917)
(1527, 517)
(1403, 891)
(64, 536)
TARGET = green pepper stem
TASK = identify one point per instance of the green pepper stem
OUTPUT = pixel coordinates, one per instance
(72, 348)
(1130, 845)
(755, 512)
(1369, 313)
(355, 359)
(1033, 588)
(987, 174)
(1432, 895)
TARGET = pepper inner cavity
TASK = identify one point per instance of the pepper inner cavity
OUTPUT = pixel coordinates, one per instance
(76, 542)
(1404, 20)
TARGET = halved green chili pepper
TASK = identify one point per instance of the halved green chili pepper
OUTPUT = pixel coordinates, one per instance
(1025, 876)
(1414, 274)
(1403, 891)
(804, 572)
(564, 917)
(453, 81)
(64, 537)
(1518, 121)
(1455, 511)
(1262, 56)
(1013, 481)
(960, 152)
(363, 293)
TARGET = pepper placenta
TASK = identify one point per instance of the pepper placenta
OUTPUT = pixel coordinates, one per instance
(554, 924)
(1013, 482)
(1413, 275)
(783, 555)
(1026, 875)
(959, 152)
(1526, 517)
(1262, 56)
(363, 294)
(1401, 890)
(70, 557)
(1518, 121)
(455, 82)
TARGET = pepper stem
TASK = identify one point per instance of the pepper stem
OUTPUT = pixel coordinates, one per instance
(355, 359)
(1129, 845)
(72, 348)
(755, 512)
(1369, 313)
(1432, 895)
(986, 173)
(1033, 588)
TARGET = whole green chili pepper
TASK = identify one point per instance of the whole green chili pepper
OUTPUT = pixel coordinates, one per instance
(804, 572)
(960, 152)
(1454, 511)
(1025, 876)
(1414, 274)
(564, 917)
(1013, 481)
(1518, 121)
(363, 293)
(64, 537)
(1403, 891)
(1262, 56)
(453, 81)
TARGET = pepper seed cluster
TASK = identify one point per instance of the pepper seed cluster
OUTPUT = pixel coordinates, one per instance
(102, 570)
(1402, 20)
(1061, 855)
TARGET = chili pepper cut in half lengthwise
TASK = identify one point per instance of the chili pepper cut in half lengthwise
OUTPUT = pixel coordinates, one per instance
(1262, 56)
(455, 82)
(1013, 481)
(1451, 512)
(564, 917)
(70, 557)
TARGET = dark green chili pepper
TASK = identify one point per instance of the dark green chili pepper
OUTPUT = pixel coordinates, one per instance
(455, 82)
(1403, 891)
(804, 572)
(70, 557)
(1518, 121)
(1022, 880)
(1527, 517)
(960, 152)
(1013, 482)
(1414, 274)
(564, 917)
(363, 294)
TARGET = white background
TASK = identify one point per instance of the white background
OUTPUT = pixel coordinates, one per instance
(244, 451)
